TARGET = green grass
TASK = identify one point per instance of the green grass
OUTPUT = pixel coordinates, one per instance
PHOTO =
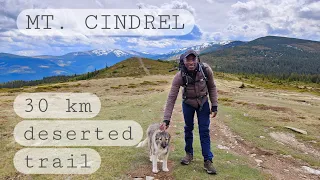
(251, 129)
(297, 86)
(228, 166)
(116, 162)
(132, 68)
(225, 99)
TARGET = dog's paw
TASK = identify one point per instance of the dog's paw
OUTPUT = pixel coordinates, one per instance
(165, 169)
(155, 170)
(159, 160)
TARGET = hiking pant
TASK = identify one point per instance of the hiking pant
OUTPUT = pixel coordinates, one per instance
(203, 123)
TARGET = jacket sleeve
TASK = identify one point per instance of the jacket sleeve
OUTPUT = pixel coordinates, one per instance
(213, 94)
(172, 97)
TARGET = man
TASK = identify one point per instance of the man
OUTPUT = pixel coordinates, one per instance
(197, 80)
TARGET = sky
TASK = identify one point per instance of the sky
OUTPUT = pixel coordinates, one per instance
(215, 20)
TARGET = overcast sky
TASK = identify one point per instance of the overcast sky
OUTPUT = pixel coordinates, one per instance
(216, 20)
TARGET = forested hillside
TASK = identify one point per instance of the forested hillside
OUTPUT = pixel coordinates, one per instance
(275, 57)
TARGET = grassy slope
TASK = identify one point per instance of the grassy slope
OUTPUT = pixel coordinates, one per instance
(142, 99)
(268, 55)
(131, 67)
(251, 128)
(254, 82)
(143, 104)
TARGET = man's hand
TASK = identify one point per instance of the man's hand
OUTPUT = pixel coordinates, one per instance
(214, 114)
(164, 125)
(214, 111)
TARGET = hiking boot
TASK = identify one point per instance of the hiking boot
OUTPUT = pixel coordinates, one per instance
(187, 159)
(209, 168)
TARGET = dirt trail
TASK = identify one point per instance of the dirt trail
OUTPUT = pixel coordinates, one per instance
(269, 162)
(279, 167)
(144, 67)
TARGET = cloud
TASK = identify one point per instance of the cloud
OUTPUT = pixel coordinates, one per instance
(20, 69)
(21, 44)
(250, 10)
(310, 11)
(195, 34)
(59, 72)
(216, 20)
(179, 5)
(210, 1)
(171, 5)
(17, 43)
(141, 42)
(62, 63)
(293, 18)
(26, 53)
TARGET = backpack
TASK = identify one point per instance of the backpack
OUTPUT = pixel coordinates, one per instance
(186, 78)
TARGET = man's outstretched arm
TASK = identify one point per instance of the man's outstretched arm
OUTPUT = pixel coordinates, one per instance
(172, 97)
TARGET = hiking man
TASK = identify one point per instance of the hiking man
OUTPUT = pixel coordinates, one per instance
(197, 80)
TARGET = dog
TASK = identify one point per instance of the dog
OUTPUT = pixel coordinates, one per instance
(158, 143)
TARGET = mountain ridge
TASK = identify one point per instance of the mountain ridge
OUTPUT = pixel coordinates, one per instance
(16, 67)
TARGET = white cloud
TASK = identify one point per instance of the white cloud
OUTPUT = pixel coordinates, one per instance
(217, 20)
(171, 5)
(311, 11)
(20, 69)
(26, 53)
(141, 42)
(59, 72)
(38, 45)
(252, 19)
(250, 10)
(63, 64)
(179, 5)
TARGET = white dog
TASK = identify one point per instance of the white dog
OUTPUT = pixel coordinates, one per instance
(158, 143)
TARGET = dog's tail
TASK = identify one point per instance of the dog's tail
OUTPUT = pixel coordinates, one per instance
(143, 143)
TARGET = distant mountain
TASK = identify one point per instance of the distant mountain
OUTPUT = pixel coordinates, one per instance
(201, 49)
(129, 67)
(271, 55)
(13, 67)
(266, 55)
(217, 47)
(81, 62)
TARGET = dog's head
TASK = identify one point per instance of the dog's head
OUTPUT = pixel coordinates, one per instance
(163, 139)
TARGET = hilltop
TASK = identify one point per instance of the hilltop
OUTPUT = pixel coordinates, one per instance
(136, 66)
(131, 67)
(278, 57)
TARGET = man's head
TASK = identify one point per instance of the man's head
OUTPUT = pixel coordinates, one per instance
(190, 60)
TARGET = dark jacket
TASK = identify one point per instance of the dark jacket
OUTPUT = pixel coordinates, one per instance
(193, 91)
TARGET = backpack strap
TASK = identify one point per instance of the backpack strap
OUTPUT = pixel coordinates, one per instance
(203, 70)
(185, 84)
